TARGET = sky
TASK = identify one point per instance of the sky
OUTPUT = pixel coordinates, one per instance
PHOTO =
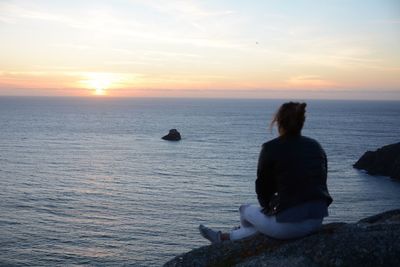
(334, 49)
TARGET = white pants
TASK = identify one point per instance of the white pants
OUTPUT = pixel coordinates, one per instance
(252, 221)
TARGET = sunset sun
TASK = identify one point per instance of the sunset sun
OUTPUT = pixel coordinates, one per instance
(100, 91)
(99, 83)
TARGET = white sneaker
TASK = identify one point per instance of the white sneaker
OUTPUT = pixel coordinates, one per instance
(213, 236)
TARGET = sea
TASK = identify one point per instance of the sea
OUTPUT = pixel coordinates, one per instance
(90, 182)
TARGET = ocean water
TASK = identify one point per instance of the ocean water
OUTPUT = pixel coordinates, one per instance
(90, 182)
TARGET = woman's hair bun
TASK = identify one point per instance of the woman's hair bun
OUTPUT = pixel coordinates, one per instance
(290, 117)
(300, 108)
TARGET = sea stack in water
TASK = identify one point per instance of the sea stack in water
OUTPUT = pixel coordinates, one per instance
(173, 135)
(384, 161)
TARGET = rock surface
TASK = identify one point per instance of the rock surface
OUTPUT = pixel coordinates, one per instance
(173, 135)
(384, 161)
(373, 241)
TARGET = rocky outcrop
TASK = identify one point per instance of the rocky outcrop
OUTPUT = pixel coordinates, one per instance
(173, 135)
(384, 161)
(373, 241)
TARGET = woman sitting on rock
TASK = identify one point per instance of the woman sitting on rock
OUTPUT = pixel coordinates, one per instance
(291, 184)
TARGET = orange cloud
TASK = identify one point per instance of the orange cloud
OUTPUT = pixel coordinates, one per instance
(310, 82)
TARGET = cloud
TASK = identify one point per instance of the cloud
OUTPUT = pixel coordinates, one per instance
(386, 21)
(63, 79)
(109, 21)
(13, 13)
(310, 81)
(188, 9)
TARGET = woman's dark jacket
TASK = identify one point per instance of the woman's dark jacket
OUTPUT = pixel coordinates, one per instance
(291, 171)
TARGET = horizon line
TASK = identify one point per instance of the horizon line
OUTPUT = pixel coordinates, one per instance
(94, 97)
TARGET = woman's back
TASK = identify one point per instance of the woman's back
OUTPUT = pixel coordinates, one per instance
(294, 169)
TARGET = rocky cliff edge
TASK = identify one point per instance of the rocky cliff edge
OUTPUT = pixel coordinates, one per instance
(373, 241)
